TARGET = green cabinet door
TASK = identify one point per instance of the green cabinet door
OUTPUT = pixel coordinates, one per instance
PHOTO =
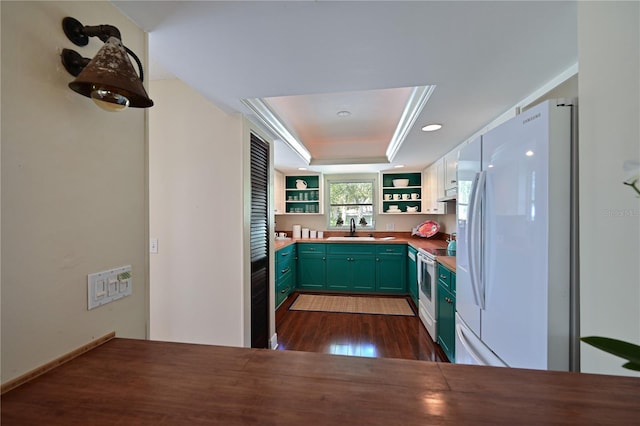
(339, 274)
(412, 274)
(446, 309)
(363, 269)
(391, 268)
(351, 273)
(311, 271)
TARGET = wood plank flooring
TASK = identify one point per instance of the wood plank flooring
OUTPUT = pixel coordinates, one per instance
(374, 336)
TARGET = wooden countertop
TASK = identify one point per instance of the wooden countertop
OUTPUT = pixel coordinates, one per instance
(448, 261)
(149, 383)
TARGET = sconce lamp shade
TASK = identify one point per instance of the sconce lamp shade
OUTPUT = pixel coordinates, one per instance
(110, 78)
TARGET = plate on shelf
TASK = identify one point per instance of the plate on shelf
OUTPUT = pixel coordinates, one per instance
(426, 229)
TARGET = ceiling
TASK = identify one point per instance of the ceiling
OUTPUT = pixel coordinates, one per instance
(308, 60)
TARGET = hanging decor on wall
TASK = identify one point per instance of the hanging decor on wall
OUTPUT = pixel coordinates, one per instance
(109, 78)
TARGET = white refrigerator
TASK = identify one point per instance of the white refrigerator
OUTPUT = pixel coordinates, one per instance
(513, 249)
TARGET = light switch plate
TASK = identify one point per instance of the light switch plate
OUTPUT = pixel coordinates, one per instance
(107, 286)
(153, 245)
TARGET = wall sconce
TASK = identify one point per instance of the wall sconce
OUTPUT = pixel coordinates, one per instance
(109, 78)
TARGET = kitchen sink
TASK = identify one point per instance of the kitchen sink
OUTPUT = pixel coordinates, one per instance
(350, 239)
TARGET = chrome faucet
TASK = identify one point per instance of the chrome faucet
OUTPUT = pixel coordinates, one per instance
(352, 227)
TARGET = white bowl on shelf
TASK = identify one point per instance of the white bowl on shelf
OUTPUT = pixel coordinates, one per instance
(400, 183)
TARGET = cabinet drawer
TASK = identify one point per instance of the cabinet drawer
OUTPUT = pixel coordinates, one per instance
(283, 270)
(391, 249)
(311, 248)
(285, 256)
(350, 249)
(285, 253)
(284, 287)
(444, 276)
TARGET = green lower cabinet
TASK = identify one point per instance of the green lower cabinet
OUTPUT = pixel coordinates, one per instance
(284, 287)
(285, 273)
(365, 268)
(339, 275)
(351, 273)
(391, 266)
(364, 273)
(446, 310)
(312, 271)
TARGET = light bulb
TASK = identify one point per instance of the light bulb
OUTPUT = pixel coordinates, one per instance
(108, 100)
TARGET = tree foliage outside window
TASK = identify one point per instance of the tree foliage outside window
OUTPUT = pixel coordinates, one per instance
(351, 200)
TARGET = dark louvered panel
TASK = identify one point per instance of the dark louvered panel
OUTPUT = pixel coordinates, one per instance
(259, 243)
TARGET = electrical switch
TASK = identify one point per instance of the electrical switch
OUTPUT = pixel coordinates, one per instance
(101, 289)
(113, 286)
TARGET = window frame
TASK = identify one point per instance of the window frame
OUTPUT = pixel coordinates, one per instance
(350, 179)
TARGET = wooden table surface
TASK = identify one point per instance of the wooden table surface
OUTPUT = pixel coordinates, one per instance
(126, 382)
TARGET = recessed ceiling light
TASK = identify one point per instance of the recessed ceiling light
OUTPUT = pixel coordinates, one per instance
(343, 113)
(529, 153)
(302, 168)
(432, 127)
(399, 166)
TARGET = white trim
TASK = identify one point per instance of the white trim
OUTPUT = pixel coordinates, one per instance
(273, 342)
(418, 99)
(273, 123)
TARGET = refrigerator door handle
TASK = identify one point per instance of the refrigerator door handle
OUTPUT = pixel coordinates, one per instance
(468, 347)
(478, 229)
(473, 232)
(481, 355)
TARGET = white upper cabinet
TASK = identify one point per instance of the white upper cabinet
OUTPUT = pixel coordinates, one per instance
(450, 166)
(434, 187)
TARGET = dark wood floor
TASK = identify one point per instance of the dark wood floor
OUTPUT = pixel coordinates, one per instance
(374, 336)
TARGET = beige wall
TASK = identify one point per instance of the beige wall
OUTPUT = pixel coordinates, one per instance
(73, 190)
(196, 203)
(609, 87)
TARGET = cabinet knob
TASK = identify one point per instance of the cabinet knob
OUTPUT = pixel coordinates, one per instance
(285, 270)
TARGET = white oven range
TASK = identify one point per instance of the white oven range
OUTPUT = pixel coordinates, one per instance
(428, 288)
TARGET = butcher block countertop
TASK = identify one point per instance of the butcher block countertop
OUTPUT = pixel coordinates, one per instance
(143, 382)
(448, 261)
